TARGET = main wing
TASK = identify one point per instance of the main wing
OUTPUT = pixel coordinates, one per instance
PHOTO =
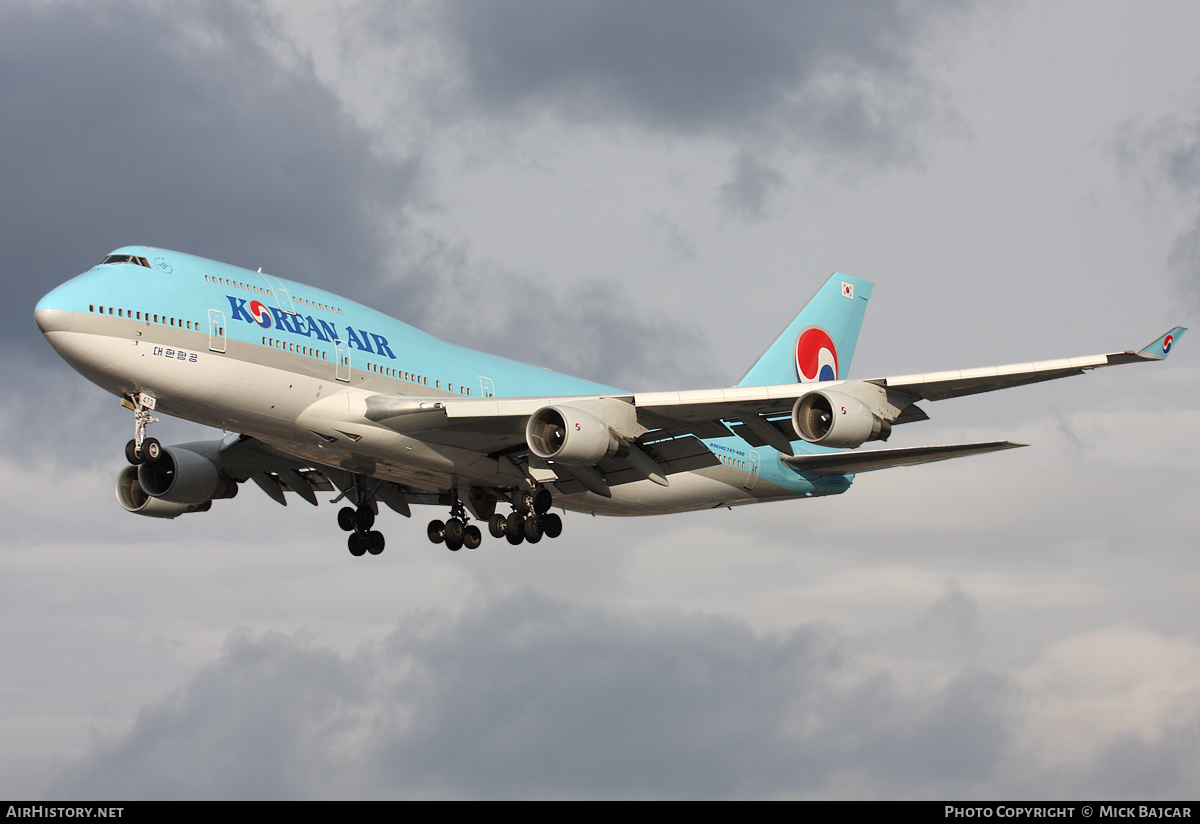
(600, 440)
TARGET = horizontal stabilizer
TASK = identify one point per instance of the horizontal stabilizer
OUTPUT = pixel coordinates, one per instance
(838, 463)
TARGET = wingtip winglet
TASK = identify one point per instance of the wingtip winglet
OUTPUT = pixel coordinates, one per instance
(1161, 348)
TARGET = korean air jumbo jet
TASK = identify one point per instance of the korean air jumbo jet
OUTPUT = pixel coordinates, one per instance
(323, 395)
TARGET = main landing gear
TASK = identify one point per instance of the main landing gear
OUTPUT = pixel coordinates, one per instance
(358, 523)
(529, 521)
(358, 520)
(456, 532)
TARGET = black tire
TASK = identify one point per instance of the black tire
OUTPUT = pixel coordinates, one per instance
(542, 501)
(472, 537)
(131, 453)
(454, 530)
(151, 450)
(375, 542)
(515, 538)
(514, 524)
(358, 547)
(436, 532)
(533, 530)
(453, 545)
(346, 518)
(524, 503)
(497, 525)
(364, 518)
(551, 525)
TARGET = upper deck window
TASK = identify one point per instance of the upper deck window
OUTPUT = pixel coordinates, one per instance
(134, 259)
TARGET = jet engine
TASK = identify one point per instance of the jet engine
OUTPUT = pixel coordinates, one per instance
(181, 476)
(133, 498)
(837, 419)
(570, 436)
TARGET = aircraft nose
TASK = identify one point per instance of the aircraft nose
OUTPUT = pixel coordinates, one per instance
(53, 313)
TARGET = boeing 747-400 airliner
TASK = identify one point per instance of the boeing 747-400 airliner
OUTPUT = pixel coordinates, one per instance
(318, 392)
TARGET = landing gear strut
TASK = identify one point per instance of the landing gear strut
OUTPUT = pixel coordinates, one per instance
(141, 448)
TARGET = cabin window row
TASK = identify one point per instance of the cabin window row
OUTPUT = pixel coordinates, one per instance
(299, 350)
(236, 284)
(258, 290)
(411, 378)
(143, 316)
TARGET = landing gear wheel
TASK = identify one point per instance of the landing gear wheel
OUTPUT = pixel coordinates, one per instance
(551, 525)
(454, 530)
(346, 518)
(514, 526)
(497, 525)
(453, 545)
(151, 450)
(524, 503)
(374, 542)
(358, 546)
(533, 530)
(472, 537)
(364, 518)
(131, 453)
(436, 532)
(542, 501)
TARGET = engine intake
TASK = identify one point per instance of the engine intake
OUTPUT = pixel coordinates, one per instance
(180, 476)
(133, 498)
(570, 436)
(837, 419)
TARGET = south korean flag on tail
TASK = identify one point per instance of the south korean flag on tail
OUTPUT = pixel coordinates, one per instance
(848, 290)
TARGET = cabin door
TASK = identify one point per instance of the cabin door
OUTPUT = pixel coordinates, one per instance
(280, 293)
(342, 370)
(216, 330)
(752, 474)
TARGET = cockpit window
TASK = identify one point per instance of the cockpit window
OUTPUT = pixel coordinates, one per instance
(134, 259)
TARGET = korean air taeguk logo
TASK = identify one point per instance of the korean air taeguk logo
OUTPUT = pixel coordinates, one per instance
(816, 356)
(260, 313)
(1166, 346)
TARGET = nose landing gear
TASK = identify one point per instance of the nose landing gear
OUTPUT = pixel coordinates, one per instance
(141, 448)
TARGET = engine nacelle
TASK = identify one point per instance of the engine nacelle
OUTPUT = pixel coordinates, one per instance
(837, 419)
(180, 476)
(133, 498)
(570, 436)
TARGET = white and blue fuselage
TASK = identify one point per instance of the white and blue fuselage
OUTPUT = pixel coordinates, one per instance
(293, 366)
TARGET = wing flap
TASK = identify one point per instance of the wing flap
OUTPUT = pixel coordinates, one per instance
(685, 454)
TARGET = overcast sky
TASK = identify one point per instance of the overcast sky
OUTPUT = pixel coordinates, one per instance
(641, 194)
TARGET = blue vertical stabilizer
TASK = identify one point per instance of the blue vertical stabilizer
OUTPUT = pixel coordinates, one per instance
(819, 344)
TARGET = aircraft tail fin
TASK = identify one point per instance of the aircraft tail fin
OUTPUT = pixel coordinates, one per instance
(819, 344)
